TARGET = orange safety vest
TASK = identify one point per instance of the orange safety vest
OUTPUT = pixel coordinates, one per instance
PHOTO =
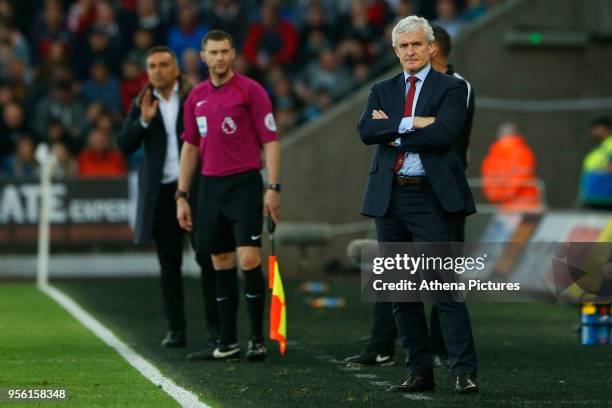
(508, 173)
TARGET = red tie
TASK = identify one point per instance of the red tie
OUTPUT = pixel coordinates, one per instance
(399, 161)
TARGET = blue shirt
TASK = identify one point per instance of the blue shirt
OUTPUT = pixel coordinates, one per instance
(412, 161)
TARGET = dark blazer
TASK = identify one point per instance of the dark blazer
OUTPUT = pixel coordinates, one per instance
(442, 96)
(131, 137)
(463, 142)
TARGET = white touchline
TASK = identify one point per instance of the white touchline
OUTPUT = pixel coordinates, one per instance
(149, 371)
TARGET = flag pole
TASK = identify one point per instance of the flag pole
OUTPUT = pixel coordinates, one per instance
(272, 257)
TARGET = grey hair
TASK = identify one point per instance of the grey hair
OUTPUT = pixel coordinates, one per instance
(412, 24)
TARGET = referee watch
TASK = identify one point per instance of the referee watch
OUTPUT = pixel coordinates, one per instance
(274, 186)
(181, 194)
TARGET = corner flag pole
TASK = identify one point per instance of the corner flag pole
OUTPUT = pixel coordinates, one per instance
(44, 158)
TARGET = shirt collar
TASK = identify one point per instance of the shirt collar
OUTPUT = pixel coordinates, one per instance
(174, 91)
(422, 74)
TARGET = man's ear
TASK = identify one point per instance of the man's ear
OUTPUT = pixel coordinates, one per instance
(434, 50)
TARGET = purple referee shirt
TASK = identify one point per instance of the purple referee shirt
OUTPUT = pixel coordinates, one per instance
(229, 124)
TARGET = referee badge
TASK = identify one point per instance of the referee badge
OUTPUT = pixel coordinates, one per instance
(270, 123)
(202, 126)
(228, 126)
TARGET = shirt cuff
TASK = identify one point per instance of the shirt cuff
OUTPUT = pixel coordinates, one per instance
(144, 124)
(406, 125)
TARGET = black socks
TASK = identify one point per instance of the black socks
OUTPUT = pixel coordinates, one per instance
(227, 301)
(255, 294)
(208, 283)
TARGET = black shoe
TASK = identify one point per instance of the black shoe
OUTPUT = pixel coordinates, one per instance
(371, 358)
(440, 360)
(414, 383)
(217, 352)
(174, 339)
(256, 350)
(466, 384)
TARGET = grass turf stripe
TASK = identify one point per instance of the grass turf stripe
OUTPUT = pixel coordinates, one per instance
(184, 397)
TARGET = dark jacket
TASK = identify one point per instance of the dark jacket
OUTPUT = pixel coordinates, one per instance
(442, 96)
(154, 139)
(463, 142)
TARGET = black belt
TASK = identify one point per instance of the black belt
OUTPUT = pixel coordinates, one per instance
(411, 180)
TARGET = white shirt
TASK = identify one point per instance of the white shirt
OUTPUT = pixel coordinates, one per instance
(169, 110)
(412, 162)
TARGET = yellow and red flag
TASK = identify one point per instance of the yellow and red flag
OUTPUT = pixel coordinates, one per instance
(278, 311)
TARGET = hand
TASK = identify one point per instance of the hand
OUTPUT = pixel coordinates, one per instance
(183, 214)
(379, 114)
(148, 106)
(272, 204)
(421, 122)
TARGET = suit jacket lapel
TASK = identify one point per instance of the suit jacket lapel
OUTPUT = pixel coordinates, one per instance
(398, 97)
(431, 81)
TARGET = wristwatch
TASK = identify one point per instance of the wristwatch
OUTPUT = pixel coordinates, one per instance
(181, 194)
(274, 186)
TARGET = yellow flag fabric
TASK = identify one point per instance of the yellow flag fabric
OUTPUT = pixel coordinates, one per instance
(278, 312)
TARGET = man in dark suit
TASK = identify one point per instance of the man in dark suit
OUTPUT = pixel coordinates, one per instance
(380, 350)
(155, 122)
(417, 189)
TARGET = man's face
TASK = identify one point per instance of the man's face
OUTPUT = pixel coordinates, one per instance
(413, 51)
(219, 56)
(162, 69)
(600, 132)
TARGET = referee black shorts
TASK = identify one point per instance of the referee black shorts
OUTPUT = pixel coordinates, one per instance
(229, 213)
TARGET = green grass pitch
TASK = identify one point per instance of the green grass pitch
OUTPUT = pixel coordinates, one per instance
(529, 354)
(43, 347)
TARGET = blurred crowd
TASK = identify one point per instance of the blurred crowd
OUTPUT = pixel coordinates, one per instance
(70, 69)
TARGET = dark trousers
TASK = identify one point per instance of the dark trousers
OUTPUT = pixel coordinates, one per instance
(168, 237)
(415, 215)
(384, 330)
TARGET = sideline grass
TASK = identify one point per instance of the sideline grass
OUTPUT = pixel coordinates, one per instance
(528, 353)
(43, 347)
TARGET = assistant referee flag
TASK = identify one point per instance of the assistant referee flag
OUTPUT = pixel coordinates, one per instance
(278, 312)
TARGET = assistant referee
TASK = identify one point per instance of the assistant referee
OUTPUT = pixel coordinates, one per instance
(227, 119)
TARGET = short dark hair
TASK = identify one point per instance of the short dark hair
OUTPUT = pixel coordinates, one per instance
(442, 39)
(602, 121)
(161, 48)
(217, 35)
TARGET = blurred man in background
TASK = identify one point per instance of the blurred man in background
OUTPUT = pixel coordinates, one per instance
(155, 123)
(509, 172)
(100, 158)
(596, 181)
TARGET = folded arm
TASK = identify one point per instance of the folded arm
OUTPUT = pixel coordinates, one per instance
(444, 131)
(375, 130)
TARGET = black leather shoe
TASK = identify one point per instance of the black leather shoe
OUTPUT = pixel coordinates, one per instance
(466, 384)
(414, 383)
(174, 339)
